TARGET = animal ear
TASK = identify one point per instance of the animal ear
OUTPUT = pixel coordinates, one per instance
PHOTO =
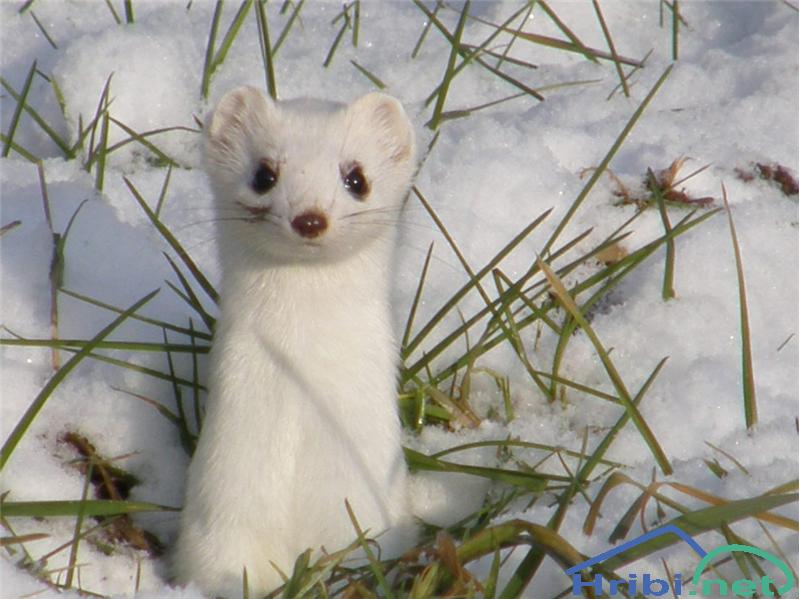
(236, 112)
(386, 117)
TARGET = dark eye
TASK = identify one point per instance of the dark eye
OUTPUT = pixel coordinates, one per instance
(264, 178)
(355, 182)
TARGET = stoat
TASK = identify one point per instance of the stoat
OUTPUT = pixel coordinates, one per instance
(301, 413)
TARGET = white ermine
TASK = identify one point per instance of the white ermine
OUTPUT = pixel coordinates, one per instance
(301, 413)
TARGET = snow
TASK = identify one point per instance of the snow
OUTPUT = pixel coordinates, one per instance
(731, 101)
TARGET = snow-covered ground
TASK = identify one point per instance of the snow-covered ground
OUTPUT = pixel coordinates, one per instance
(731, 102)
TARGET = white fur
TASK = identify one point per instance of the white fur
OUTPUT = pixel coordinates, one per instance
(302, 400)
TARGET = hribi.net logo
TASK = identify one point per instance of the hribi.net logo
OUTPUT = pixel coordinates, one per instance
(701, 586)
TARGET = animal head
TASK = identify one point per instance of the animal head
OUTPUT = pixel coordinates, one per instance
(305, 180)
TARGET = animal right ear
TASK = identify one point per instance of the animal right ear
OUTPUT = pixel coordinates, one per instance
(235, 113)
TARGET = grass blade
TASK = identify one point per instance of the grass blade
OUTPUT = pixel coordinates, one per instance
(286, 28)
(29, 156)
(231, 34)
(374, 564)
(373, 78)
(23, 97)
(425, 30)
(96, 507)
(76, 537)
(208, 66)
(101, 153)
(266, 49)
(668, 287)
(158, 323)
(174, 243)
(609, 40)
(576, 43)
(449, 69)
(748, 378)
(530, 481)
(417, 296)
(332, 51)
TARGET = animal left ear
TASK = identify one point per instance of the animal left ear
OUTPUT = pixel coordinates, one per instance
(387, 118)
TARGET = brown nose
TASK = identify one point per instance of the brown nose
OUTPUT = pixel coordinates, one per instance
(310, 224)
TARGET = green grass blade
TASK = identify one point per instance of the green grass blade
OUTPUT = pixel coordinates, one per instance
(190, 295)
(113, 11)
(174, 243)
(140, 138)
(33, 410)
(15, 117)
(425, 30)
(101, 153)
(506, 443)
(374, 564)
(371, 76)
(91, 129)
(505, 56)
(530, 481)
(676, 23)
(76, 536)
(163, 195)
(449, 69)
(356, 21)
(417, 296)
(159, 323)
(610, 41)
(208, 66)
(266, 49)
(576, 43)
(80, 344)
(748, 377)
(668, 287)
(231, 34)
(96, 507)
(129, 11)
(16, 223)
(30, 156)
(597, 456)
(286, 28)
(335, 45)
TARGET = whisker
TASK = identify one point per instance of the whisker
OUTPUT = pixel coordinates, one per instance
(385, 210)
(243, 219)
(395, 223)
